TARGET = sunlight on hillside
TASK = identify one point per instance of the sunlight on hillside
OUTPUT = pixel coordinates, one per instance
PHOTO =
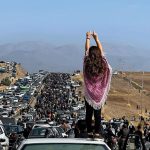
(123, 97)
(20, 72)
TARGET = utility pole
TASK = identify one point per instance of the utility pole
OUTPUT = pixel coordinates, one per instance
(142, 86)
(129, 89)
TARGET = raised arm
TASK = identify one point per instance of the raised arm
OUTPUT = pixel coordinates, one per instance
(87, 43)
(99, 45)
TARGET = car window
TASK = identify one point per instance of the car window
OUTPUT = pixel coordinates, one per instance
(51, 146)
(60, 129)
(38, 132)
(6, 127)
(13, 129)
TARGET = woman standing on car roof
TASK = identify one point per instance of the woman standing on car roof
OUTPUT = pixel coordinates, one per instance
(97, 77)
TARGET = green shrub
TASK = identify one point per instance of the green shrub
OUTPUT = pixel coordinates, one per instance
(6, 81)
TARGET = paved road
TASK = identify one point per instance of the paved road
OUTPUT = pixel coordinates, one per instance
(33, 99)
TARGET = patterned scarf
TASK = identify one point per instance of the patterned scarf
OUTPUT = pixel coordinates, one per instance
(96, 88)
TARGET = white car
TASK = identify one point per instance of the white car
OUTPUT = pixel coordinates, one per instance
(1, 96)
(20, 95)
(75, 108)
(63, 144)
(40, 125)
(15, 100)
(5, 114)
(81, 106)
(5, 143)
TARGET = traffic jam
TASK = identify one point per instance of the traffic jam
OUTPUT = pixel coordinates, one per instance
(40, 105)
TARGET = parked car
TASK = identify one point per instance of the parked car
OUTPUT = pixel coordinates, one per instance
(13, 129)
(5, 142)
(40, 125)
(41, 132)
(1, 96)
(15, 100)
(5, 114)
(26, 97)
(27, 117)
(19, 95)
(65, 143)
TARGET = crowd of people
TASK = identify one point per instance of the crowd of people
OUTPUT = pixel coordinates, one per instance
(54, 96)
(122, 132)
(55, 105)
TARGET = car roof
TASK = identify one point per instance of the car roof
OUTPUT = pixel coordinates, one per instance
(41, 125)
(63, 140)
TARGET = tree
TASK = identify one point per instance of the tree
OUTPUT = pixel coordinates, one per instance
(6, 81)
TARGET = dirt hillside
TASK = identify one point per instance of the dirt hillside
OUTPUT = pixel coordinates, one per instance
(126, 97)
(20, 72)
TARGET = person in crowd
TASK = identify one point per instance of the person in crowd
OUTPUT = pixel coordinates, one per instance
(147, 132)
(110, 137)
(97, 77)
(76, 131)
(123, 136)
(131, 128)
(19, 122)
(26, 132)
(139, 142)
(73, 124)
(65, 125)
(80, 129)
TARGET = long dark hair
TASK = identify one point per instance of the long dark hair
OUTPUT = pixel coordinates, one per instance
(93, 62)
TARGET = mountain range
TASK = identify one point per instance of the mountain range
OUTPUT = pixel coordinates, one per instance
(36, 55)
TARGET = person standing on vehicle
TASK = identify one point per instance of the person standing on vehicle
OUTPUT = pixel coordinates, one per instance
(97, 77)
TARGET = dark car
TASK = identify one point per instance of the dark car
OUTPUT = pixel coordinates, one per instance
(26, 97)
(13, 129)
(15, 134)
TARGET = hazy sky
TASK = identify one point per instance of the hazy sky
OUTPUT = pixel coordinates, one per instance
(66, 21)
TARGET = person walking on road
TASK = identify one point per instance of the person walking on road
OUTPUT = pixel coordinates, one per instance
(139, 142)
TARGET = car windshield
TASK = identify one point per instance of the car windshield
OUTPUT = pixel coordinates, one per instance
(11, 129)
(40, 132)
(51, 146)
